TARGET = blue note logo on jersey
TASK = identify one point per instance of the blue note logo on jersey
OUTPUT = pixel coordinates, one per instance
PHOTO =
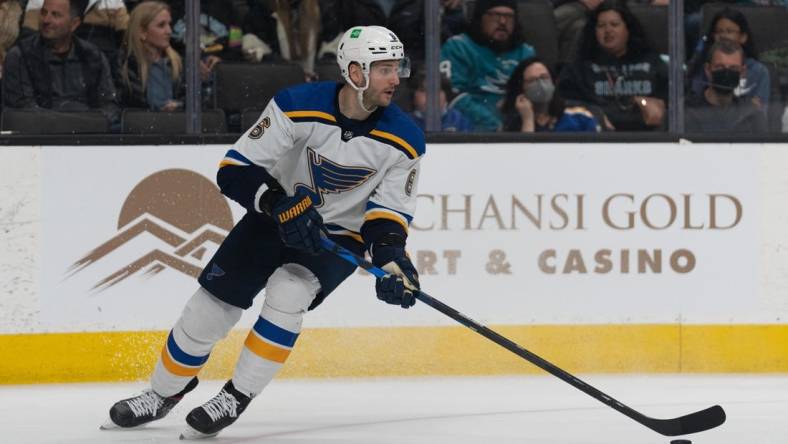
(330, 177)
(216, 272)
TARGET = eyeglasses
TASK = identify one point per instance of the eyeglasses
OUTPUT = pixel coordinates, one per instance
(500, 16)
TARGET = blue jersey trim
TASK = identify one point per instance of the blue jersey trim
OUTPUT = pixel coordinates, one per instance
(233, 154)
(317, 96)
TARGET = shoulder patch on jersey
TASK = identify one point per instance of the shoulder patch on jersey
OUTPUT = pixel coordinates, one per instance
(259, 129)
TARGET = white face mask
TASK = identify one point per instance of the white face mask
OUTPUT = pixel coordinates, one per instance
(540, 91)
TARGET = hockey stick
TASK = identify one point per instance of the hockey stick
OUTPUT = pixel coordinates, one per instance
(693, 423)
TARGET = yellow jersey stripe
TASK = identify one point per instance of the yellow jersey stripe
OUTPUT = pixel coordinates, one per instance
(319, 114)
(230, 162)
(372, 215)
(398, 140)
(265, 350)
(175, 368)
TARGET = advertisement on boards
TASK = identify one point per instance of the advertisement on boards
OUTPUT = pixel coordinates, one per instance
(506, 233)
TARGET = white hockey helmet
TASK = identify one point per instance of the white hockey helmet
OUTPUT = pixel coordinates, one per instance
(367, 44)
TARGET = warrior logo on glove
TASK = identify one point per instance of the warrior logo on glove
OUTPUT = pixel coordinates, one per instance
(296, 210)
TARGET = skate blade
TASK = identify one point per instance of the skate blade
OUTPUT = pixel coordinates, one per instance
(108, 425)
(190, 434)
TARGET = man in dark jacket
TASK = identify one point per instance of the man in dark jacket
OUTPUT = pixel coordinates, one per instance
(52, 69)
(718, 109)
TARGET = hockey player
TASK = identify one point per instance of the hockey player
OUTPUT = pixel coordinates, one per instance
(323, 157)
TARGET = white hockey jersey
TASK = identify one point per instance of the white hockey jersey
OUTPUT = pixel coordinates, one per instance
(355, 171)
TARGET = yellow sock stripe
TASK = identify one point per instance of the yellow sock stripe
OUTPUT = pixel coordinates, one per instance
(265, 350)
(175, 368)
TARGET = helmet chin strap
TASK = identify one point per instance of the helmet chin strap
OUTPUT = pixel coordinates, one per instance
(360, 94)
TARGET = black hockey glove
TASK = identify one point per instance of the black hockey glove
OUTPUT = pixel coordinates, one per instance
(396, 288)
(298, 221)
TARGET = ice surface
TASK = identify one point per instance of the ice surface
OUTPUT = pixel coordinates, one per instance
(474, 410)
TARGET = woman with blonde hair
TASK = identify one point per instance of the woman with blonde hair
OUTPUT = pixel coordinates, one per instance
(151, 70)
(10, 14)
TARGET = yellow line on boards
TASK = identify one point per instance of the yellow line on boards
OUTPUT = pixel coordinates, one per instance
(415, 351)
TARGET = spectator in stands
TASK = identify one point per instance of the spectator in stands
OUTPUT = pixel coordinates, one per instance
(220, 36)
(10, 15)
(718, 109)
(103, 24)
(298, 32)
(731, 24)
(403, 17)
(295, 31)
(53, 69)
(531, 103)
(452, 120)
(616, 70)
(220, 29)
(570, 18)
(151, 70)
(480, 61)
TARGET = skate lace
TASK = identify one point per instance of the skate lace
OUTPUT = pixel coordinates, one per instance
(223, 404)
(147, 403)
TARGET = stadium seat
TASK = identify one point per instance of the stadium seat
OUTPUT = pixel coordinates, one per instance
(249, 117)
(328, 71)
(252, 85)
(539, 29)
(139, 121)
(53, 122)
(654, 20)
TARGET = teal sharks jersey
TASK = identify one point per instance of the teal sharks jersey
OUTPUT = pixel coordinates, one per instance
(355, 171)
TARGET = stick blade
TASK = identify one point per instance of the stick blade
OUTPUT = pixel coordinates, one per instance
(692, 423)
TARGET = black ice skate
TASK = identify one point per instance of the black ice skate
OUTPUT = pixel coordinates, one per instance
(222, 410)
(144, 408)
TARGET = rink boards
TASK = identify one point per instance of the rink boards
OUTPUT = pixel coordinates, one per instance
(601, 258)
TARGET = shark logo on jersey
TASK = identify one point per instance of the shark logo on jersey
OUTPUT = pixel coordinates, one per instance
(329, 177)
